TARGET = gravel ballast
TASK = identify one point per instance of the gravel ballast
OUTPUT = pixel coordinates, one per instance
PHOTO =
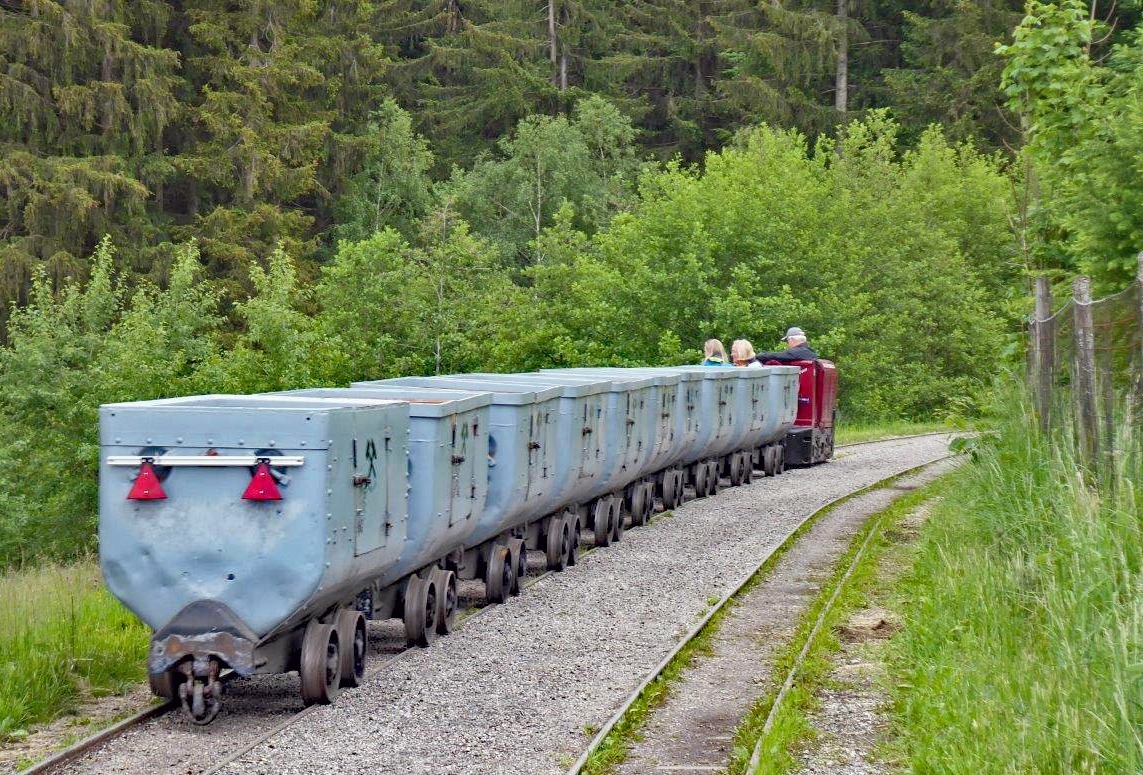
(694, 728)
(522, 688)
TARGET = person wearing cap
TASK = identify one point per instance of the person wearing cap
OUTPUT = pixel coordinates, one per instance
(797, 349)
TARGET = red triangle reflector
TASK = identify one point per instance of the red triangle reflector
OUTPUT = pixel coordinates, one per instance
(147, 486)
(263, 487)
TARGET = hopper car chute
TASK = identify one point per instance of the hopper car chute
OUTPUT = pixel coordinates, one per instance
(256, 534)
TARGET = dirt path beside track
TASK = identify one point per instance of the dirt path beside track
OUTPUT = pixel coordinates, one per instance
(693, 730)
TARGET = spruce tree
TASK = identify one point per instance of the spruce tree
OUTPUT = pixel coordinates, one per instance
(472, 69)
(86, 93)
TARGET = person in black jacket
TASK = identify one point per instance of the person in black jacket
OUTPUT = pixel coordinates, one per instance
(797, 349)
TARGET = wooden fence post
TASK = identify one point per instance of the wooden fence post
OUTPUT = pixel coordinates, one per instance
(1135, 407)
(1139, 324)
(1043, 350)
(1085, 371)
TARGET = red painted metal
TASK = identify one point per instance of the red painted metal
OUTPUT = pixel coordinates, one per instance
(263, 487)
(817, 393)
(147, 486)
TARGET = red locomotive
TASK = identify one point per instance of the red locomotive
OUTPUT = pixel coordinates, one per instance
(810, 441)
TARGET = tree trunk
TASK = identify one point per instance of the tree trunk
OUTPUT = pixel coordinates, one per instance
(702, 34)
(553, 44)
(841, 80)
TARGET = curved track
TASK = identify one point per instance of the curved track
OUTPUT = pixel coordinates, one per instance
(267, 707)
(735, 593)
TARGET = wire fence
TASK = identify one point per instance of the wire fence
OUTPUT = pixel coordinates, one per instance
(1085, 366)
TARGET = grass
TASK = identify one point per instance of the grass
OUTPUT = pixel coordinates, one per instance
(63, 637)
(614, 747)
(791, 720)
(853, 433)
(1023, 645)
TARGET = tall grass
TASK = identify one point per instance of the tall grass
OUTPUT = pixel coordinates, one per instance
(62, 637)
(1023, 650)
(853, 433)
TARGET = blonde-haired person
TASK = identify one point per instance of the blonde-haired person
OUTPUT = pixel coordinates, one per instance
(713, 353)
(742, 354)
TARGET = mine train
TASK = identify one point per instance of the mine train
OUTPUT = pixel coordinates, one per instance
(258, 533)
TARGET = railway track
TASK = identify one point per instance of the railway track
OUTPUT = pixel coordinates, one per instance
(59, 761)
(736, 590)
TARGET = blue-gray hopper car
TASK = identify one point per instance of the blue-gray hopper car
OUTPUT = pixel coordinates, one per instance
(257, 534)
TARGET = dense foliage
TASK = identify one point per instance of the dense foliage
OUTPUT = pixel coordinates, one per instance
(1023, 642)
(242, 125)
(1082, 115)
(897, 261)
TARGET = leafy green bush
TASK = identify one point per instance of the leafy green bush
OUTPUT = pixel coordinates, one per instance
(897, 265)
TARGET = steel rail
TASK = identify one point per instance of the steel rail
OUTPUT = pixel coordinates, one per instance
(950, 432)
(287, 722)
(77, 749)
(787, 541)
(56, 761)
(819, 622)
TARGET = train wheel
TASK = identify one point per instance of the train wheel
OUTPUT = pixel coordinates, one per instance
(779, 459)
(601, 522)
(165, 685)
(352, 639)
(747, 467)
(638, 504)
(701, 475)
(321, 664)
(573, 544)
(713, 478)
(736, 472)
(669, 482)
(680, 488)
(519, 558)
(445, 581)
(498, 582)
(618, 519)
(771, 458)
(420, 611)
(557, 540)
(648, 501)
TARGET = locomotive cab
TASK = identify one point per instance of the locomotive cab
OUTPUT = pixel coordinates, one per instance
(811, 440)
